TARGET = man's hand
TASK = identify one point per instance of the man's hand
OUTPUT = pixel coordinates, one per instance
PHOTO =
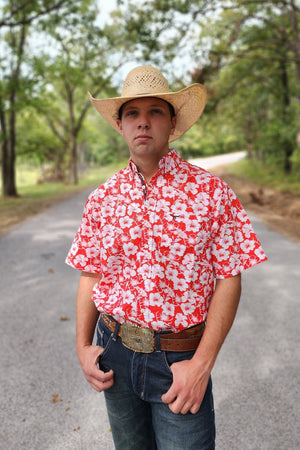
(89, 357)
(87, 316)
(190, 378)
(188, 388)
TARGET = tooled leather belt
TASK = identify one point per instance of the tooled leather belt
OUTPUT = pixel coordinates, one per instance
(143, 340)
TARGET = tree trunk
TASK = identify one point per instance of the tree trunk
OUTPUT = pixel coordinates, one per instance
(9, 188)
(296, 50)
(72, 145)
(288, 145)
(73, 175)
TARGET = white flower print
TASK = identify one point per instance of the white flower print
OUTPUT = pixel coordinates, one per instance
(148, 316)
(179, 209)
(126, 222)
(247, 246)
(180, 284)
(135, 233)
(168, 192)
(167, 285)
(192, 225)
(227, 241)
(171, 273)
(108, 241)
(187, 308)
(191, 188)
(92, 252)
(181, 177)
(177, 249)
(80, 260)
(128, 297)
(247, 230)
(155, 299)
(125, 188)
(259, 252)
(120, 211)
(181, 321)
(133, 208)
(107, 211)
(165, 240)
(168, 309)
(130, 249)
(242, 216)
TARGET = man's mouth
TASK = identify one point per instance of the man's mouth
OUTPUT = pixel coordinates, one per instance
(143, 137)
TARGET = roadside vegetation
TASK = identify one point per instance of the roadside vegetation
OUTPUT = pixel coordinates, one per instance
(35, 197)
(245, 52)
(269, 177)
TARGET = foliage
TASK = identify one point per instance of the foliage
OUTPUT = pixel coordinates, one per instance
(246, 52)
(268, 176)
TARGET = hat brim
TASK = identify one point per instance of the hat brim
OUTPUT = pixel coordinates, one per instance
(188, 104)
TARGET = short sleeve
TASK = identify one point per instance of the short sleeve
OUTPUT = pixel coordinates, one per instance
(84, 253)
(235, 246)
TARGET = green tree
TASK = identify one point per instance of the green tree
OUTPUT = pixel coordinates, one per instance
(78, 63)
(85, 59)
(240, 48)
(14, 84)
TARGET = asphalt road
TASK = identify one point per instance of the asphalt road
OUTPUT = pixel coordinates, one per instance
(46, 404)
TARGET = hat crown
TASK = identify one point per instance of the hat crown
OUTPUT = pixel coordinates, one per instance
(144, 80)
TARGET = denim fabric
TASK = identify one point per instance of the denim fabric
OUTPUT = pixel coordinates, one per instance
(139, 419)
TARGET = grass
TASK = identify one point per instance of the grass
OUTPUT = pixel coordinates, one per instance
(269, 177)
(34, 198)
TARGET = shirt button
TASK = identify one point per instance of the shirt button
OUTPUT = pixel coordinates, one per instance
(144, 277)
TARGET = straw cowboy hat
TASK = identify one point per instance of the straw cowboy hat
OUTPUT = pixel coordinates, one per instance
(147, 81)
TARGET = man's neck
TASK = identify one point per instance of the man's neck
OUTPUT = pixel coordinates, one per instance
(148, 168)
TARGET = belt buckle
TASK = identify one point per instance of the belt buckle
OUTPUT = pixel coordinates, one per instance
(137, 338)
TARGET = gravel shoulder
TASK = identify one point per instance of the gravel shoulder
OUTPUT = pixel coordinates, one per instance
(280, 211)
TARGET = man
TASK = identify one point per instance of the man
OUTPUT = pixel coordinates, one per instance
(161, 247)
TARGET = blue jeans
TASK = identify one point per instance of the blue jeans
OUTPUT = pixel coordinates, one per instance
(138, 418)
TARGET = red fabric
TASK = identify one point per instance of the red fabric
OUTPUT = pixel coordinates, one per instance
(159, 247)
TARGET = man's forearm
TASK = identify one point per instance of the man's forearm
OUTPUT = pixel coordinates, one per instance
(89, 354)
(190, 377)
(221, 314)
(86, 312)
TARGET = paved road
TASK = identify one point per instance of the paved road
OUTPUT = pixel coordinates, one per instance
(256, 378)
(213, 161)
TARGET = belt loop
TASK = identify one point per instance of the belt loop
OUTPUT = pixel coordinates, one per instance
(116, 331)
(157, 342)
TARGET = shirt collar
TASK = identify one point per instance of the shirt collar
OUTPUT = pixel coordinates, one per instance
(165, 165)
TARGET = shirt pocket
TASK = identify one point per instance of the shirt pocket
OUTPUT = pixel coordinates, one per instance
(184, 238)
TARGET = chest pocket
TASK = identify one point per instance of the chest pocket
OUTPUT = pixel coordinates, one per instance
(183, 235)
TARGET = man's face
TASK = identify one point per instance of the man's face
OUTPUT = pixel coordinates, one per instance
(146, 125)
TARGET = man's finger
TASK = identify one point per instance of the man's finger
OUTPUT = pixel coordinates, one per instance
(170, 396)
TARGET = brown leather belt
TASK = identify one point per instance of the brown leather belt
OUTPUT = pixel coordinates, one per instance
(143, 340)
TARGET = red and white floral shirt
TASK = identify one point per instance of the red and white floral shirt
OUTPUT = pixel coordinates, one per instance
(159, 247)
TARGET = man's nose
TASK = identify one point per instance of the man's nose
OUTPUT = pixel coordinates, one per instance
(144, 122)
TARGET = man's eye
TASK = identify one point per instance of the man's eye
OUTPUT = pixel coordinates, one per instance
(156, 111)
(130, 113)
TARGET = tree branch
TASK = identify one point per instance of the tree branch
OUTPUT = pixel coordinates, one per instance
(8, 21)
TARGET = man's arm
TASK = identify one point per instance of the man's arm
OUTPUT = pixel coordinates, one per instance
(190, 378)
(86, 320)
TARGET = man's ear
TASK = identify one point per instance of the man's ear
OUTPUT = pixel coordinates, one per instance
(173, 121)
(119, 123)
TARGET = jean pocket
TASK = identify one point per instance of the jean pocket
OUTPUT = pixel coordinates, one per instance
(173, 357)
(104, 339)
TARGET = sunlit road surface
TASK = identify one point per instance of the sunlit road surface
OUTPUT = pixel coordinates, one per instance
(218, 160)
(46, 404)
